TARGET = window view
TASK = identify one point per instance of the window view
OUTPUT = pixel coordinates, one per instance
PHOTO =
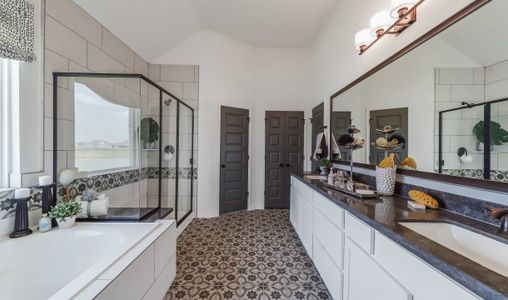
(105, 133)
(9, 87)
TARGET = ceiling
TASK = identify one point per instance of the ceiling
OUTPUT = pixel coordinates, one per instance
(151, 27)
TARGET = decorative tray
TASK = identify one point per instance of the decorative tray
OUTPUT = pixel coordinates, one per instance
(352, 193)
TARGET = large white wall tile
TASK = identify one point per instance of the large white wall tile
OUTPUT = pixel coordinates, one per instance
(177, 73)
(140, 65)
(99, 61)
(443, 93)
(55, 63)
(190, 90)
(468, 93)
(496, 72)
(456, 76)
(74, 17)
(175, 88)
(117, 49)
(65, 42)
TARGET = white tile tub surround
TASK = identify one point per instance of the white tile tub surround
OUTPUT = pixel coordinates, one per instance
(107, 252)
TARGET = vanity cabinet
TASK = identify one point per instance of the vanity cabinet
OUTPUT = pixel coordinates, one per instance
(302, 202)
(366, 279)
(355, 261)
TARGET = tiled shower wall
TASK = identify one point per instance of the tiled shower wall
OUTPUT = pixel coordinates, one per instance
(472, 85)
(183, 82)
(76, 42)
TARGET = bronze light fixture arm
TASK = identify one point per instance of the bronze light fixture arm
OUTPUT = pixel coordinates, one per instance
(402, 23)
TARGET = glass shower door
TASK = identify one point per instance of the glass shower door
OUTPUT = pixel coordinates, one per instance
(185, 172)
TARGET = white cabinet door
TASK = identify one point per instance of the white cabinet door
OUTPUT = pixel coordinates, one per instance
(365, 279)
(294, 209)
(307, 225)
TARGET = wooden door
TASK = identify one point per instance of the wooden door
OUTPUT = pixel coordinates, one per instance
(283, 153)
(341, 120)
(397, 118)
(234, 168)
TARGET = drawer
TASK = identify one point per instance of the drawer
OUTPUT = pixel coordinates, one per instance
(331, 275)
(359, 232)
(332, 211)
(330, 237)
(412, 272)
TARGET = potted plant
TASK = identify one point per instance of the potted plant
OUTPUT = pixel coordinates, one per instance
(498, 136)
(149, 132)
(65, 213)
(324, 164)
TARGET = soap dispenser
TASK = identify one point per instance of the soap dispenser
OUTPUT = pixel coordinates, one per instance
(44, 223)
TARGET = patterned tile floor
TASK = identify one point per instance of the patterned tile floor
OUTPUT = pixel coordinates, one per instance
(244, 255)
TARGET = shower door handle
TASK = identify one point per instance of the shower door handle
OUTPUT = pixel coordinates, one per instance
(223, 166)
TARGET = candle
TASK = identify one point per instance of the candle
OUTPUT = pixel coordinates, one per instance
(22, 193)
(45, 180)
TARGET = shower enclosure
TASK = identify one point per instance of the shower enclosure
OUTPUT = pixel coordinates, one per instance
(125, 139)
(486, 141)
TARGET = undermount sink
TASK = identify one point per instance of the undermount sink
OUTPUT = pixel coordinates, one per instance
(479, 248)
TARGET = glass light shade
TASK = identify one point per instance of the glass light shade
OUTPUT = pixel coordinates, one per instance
(397, 5)
(380, 21)
(362, 38)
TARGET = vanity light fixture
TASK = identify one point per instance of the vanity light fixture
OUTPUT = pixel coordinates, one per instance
(401, 15)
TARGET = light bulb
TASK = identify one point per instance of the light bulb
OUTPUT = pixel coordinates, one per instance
(380, 22)
(362, 39)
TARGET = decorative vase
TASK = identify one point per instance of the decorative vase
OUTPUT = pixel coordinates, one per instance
(385, 180)
(67, 222)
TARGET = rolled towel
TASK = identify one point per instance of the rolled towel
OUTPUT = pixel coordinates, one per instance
(95, 208)
(98, 207)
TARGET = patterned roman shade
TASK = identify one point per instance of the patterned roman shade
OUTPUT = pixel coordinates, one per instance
(17, 30)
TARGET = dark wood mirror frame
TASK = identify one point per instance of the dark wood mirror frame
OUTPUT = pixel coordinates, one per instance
(471, 182)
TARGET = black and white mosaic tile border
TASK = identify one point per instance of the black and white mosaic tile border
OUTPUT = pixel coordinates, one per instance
(101, 183)
(7, 205)
(495, 175)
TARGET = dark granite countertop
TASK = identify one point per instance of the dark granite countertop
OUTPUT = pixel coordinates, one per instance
(384, 213)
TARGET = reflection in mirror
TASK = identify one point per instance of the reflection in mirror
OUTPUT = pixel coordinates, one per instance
(444, 99)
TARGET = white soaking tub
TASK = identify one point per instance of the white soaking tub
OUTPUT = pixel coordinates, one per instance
(79, 262)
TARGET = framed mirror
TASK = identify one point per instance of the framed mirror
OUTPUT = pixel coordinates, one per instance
(440, 105)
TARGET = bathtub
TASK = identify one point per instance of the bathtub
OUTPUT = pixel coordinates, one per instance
(79, 262)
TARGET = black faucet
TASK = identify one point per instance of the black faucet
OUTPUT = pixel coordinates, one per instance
(500, 214)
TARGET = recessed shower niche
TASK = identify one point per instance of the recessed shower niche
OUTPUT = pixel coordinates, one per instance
(126, 143)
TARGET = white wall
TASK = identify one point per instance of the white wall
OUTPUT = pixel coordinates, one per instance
(234, 73)
(334, 60)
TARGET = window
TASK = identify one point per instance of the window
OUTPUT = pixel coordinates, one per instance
(9, 95)
(105, 133)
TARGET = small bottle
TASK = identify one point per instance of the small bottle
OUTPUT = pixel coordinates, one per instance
(331, 178)
(44, 223)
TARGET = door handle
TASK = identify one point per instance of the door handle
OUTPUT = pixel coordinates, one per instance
(223, 166)
(288, 165)
(281, 165)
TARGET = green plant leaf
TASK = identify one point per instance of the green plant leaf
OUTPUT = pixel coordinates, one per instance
(498, 136)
